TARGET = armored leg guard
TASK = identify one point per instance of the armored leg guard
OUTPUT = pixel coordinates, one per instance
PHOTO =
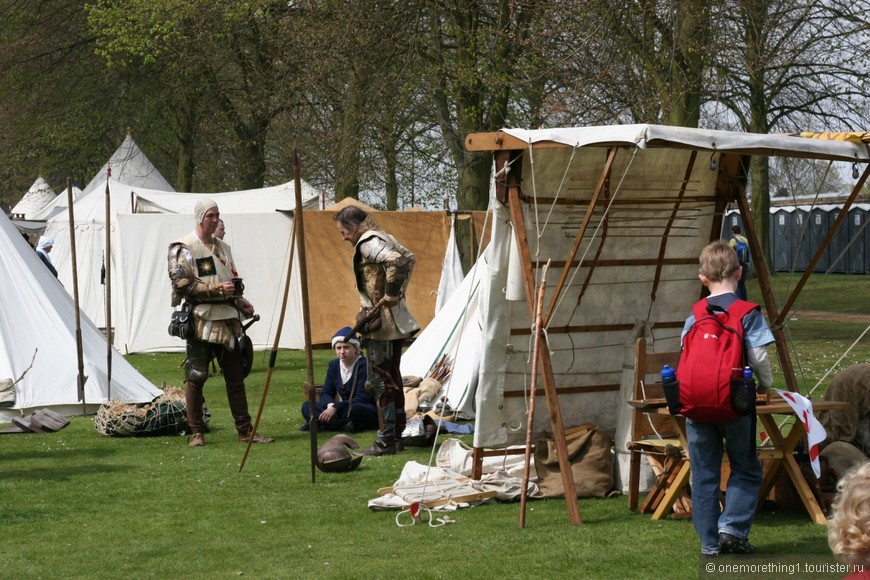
(385, 444)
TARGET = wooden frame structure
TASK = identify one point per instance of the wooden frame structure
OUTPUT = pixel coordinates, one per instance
(726, 155)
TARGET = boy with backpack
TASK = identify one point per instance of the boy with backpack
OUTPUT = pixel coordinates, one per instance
(741, 246)
(722, 336)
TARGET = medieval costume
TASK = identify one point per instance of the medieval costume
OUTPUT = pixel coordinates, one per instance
(382, 269)
(344, 390)
(199, 267)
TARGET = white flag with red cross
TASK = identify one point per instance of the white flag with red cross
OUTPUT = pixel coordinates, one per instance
(803, 408)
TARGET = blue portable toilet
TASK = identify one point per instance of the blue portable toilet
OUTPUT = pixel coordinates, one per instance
(859, 239)
(817, 228)
(838, 252)
(732, 218)
(781, 238)
(801, 250)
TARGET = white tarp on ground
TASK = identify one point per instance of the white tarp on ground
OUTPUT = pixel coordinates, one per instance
(37, 324)
(37, 197)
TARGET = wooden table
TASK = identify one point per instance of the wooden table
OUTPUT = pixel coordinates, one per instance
(781, 454)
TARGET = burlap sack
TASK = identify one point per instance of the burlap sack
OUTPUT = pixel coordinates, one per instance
(591, 462)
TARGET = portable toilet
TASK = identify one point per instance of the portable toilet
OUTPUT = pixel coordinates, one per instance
(802, 249)
(817, 228)
(859, 239)
(781, 244)
(839, 247)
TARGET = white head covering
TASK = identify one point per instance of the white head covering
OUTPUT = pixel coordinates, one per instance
(44, 242)
(201, 207)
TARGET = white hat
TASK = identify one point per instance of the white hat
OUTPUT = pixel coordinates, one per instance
(201, 207)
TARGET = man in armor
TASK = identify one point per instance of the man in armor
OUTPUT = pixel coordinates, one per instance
(382, 269)
(201, 270)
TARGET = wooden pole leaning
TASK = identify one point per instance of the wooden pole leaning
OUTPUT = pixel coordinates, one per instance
(533, 388)
(82, 379)
(108, 258)
(547, 374)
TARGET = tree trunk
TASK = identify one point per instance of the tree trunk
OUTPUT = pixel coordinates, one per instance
(349, 145)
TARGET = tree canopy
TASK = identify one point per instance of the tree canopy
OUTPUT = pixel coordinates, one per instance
(378, 96)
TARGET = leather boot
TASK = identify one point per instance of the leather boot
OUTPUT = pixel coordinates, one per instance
(379, 448)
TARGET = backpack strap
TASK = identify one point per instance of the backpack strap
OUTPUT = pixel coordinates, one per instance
(738, 309)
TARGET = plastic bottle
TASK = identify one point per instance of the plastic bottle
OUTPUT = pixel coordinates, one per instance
(743, 397)
(672, 390)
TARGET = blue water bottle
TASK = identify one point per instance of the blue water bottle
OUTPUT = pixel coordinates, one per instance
(743, 393)
(671, 387)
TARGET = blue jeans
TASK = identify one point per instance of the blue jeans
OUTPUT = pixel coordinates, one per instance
(706, 447)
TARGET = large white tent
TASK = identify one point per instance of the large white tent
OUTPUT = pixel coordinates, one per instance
(58, 205)
(38, 341)
(37, 197)
(128, 164)
(260, 242)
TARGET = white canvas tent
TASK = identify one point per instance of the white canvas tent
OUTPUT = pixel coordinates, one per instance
(456, 331)
(133, 292)
(37, 197)
(58, 205)
(38, 341)
(129, 165)
(261, 245)
(623, 213)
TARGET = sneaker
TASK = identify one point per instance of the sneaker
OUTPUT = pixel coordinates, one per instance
(198, 440)
(731, 544)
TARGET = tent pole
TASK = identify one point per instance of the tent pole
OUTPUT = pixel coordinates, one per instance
(533, 388)
(274, 353)
(306, 313)
(108, 285)
(519, 226)
(82, 379)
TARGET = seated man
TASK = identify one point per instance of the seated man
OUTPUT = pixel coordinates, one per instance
(344, 404)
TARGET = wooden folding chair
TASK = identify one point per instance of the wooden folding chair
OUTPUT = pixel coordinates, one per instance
(652, 432)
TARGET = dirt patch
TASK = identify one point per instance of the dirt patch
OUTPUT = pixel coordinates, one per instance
(831, 316)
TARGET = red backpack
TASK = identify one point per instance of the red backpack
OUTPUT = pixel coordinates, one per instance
(712, 354)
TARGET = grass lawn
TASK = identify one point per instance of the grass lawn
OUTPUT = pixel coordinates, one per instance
(77, 504)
